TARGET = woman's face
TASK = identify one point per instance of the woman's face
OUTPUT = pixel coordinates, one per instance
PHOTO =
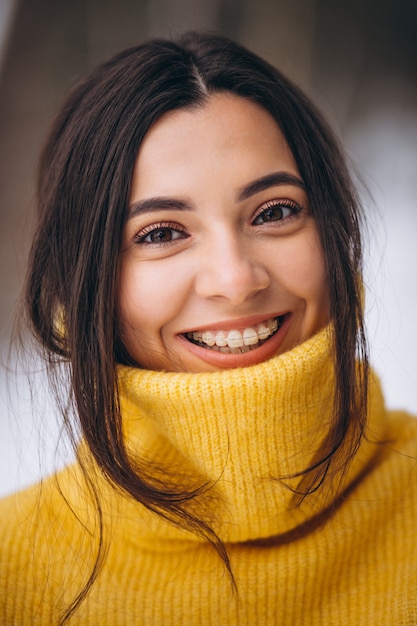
(221, 263)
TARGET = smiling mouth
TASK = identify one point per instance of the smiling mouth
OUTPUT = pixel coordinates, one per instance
(236, 341)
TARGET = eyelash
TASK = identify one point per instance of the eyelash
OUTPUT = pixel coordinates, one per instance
(165, 227)
(160, 227)
(294, 208)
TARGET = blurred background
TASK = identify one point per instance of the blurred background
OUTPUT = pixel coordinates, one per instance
(358, 62)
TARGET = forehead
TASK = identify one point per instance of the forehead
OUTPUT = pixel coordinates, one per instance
(227, 135)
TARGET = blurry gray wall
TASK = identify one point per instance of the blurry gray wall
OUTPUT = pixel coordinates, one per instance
(356, 59)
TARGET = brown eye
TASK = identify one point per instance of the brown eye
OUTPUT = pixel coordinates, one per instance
(160, 234)
(272, 214)
(275, 213)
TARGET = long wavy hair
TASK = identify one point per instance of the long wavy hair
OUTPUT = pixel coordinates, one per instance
(83, 192)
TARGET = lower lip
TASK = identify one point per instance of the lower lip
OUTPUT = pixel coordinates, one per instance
(220, 360)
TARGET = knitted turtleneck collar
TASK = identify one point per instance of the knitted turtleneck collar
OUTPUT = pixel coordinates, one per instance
(238, 430)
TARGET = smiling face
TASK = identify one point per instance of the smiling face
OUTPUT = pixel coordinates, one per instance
(221, 264)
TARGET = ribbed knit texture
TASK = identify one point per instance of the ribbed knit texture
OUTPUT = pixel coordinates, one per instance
(346, 556)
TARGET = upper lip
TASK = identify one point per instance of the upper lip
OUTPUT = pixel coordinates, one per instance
(239, 323)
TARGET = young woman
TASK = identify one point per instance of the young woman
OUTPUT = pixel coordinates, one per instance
(196, 278)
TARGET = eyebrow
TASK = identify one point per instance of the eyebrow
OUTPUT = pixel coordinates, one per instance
(270, 180)
(156, 204)
(260, 184)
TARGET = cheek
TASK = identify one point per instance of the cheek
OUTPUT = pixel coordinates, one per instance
(302, 268)
(313, 277)
(314, 284)
(150, 295)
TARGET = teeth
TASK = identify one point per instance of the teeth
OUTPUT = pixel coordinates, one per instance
(250, 337)
(235, 341)
(209, 338)
(263, 331)
(272, 325)
(221, 339)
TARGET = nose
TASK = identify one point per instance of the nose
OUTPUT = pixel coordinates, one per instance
(231, 271)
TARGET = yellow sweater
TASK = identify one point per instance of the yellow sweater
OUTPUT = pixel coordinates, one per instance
(237, 429)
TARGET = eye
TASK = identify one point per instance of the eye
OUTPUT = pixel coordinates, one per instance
(160, 234)
(275, 211)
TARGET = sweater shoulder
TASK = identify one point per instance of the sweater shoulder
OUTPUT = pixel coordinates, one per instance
(402, 430)
(30, 506)
(41, 537)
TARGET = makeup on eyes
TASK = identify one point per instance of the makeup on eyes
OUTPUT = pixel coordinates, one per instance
(277, 211)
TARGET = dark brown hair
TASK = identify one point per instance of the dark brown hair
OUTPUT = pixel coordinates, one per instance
(83, 193)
